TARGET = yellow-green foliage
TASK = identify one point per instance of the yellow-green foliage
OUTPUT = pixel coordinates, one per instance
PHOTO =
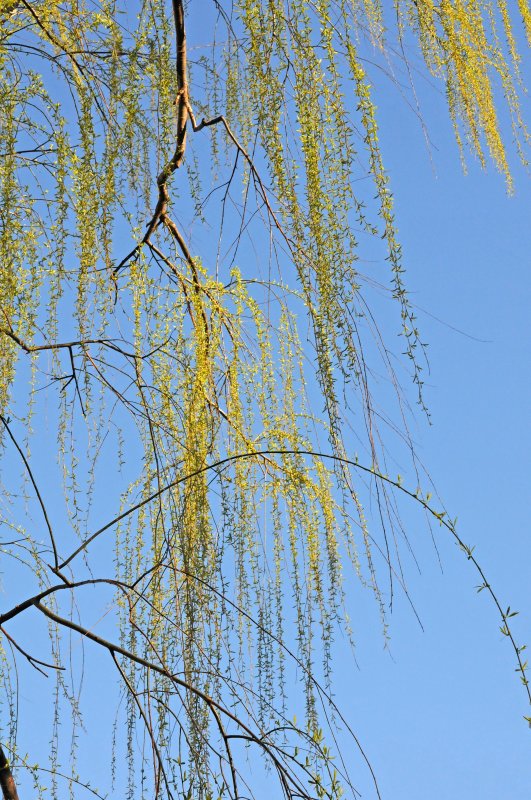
(200, 365)
(460, 41)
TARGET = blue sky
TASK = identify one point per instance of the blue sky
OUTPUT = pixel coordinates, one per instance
(441, 715)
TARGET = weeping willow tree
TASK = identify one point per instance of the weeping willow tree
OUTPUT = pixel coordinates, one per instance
(191, 428)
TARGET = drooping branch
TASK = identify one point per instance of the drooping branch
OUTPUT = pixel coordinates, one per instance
(290, 782)
(396, 484)
(36, 663)
(39, 496)
(37, 598)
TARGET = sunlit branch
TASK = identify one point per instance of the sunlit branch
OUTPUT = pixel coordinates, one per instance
(7, 783)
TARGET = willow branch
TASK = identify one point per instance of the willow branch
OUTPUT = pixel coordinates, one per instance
(69, 53)
(36, 663)
(40, 348)
(157, 756)
(36, 599)
(396, 484)
(160, 214)
(38, 494)
(213, 705)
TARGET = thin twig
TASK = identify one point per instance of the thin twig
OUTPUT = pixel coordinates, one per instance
(37, 492)
(35, 662)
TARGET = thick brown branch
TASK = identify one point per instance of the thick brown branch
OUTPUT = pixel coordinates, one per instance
(182, 82)
(9, 790)
(160, 214)
(40, 348)
(182, 118)
(35, 599)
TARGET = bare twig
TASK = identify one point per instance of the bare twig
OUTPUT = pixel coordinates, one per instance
(39, 496)
(35, 662)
